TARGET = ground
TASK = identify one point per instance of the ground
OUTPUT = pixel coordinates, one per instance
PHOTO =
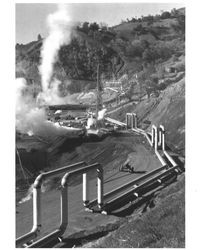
(111, 152)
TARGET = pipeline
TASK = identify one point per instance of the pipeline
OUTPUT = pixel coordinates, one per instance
(37, 201)
(135, 190)
(156, 139)
(162, 144)
(57, 234)
(127, 185)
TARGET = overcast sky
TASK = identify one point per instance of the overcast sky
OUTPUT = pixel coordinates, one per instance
(31, 18)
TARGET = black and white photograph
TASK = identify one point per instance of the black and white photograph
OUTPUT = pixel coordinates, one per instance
(100, 125)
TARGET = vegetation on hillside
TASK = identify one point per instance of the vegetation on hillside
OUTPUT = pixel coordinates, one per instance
(134, 46)
(147, 54)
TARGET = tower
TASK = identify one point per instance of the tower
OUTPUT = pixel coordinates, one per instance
(99, 102)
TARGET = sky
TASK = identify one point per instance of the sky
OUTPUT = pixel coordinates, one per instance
(31, 17)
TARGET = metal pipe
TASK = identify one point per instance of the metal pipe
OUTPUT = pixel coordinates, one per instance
(41, 177)
(134, 118)
(26, 238)
(63, 223)
(160, 158)
(100, 187)
(155, 144)
(86, 190)
(156, 139)
(136, 189)
(64, 205)
(128, 185)
(132, 121)
(36, 209)
(162, 136)
(148, 139)
(36, 219)
(136, 122)
(153, 135)
(162, 131)
(129, 119)
(159, 138)
(37, 201)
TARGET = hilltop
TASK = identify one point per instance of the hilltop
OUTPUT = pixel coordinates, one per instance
(134, 46)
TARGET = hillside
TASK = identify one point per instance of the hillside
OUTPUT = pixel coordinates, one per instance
(147, 56)
(130, 47)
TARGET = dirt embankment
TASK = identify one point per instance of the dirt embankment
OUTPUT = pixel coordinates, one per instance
(168, 109)
(140, 230)
(159, 222)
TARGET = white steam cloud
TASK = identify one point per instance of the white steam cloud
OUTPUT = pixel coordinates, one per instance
(59, 25)
(30, 117)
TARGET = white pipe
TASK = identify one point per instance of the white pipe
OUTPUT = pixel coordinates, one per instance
(86, 190)
(162, 130)
(129, 118)
(135, 121)
(160, 158)
(132, 121)
(156, 139)
(57, 234)
(134, 117)
(134, 190)
(37, 201)
(36, 208)
(160, 138)
(155, 144)
(148, 139)
(153, 135)
(100, 187)
(64, 207)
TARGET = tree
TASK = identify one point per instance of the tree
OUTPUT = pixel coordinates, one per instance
(165, 15)
(174, 12)
(103, 26)
(130, 92)
(180, 25)
(85, 27)
(157, 17)
(149, 55)
(39, 37)
(94, 26)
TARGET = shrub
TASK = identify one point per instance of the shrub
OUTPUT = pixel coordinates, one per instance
(165, 15)
(134, 50)
(149, 55)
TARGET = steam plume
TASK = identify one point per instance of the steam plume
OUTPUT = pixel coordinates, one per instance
(60, 26)
(32, 119)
